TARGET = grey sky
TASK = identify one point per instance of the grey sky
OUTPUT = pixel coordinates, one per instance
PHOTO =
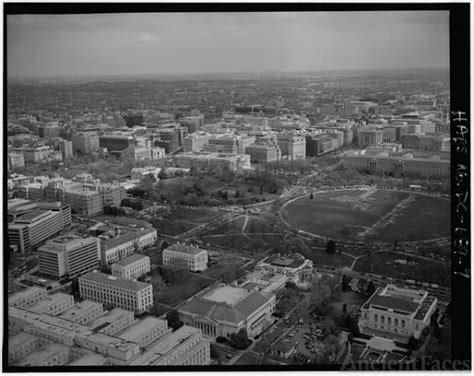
(224, 42)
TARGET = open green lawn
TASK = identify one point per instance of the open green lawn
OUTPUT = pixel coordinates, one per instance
(237, 243)
(337, 260)
(352, 299)
(172, 295)
(224, 261)
(182, 219)
(383, 263)
(344, 214)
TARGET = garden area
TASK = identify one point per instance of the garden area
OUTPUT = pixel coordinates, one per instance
(171, 287)
(410, 267)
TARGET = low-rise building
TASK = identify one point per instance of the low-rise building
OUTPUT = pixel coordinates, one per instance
(209, 161)
(52, 304)
(397, 313)
(112, 322)
(82, 312)
(226, 310)
(146, 331)
(185, 256)
(28, 297)
(23, 344)
(295, 267)
(131, 267)
(116, 292)
(186, 346)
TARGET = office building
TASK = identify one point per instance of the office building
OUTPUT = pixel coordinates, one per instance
(85, 142)
(69, 255)
(263, 152)
(185, 256)
(398, 163)
(32, 229)
(82, 312)
(116, 292)
(291, 146)
(112, 322)
(397, 313)
(27, 297)
(66, 149)
(193, 123)
(23, 344)
(52, 304)
(228, 143)
(146, 331)
(131, 267)
(366, 137)
(226, 310)
(209, 161)
(116, 142)
(15, 160)
(195, 141)
(186, 346)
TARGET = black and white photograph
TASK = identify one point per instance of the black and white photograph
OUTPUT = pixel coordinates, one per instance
(236, 187)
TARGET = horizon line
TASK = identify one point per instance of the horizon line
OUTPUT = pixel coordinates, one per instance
(100, 75)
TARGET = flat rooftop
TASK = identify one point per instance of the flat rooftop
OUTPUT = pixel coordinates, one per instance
(110, 280)
(30, 291)
(164, 345)
(77, 309)
(127, 237)
(40, 357)
(108, 318)
(48, 301)
(227, 294)
(131, 259)
(185, 248)
(135, 331)
(20, 339)
(89, 360)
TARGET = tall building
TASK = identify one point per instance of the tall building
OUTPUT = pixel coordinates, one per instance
(195, 141)
(116, 292)
(397, 313)
(85, 142)
(69, 255)
(15, 160)
(193, 123)
(66, 148)
(292, 146)
(32, 229)
(367, 137)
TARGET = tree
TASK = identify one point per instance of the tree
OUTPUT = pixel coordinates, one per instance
(344, 308)
(311, 196)
(237, 194)
(173, 320)
(293, 245)
(371, 288)
(331, 246)
(240, 340)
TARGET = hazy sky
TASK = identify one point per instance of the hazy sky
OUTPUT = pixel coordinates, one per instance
(224, 42)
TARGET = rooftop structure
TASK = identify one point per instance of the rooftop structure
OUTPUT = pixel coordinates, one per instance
(395, 312)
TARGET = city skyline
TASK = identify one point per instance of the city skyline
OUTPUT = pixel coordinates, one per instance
(183, 43)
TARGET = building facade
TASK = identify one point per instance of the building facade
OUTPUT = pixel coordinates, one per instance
(116, 292)
(397, 313)
(131, 267)
(185, 256)
(69, 255)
